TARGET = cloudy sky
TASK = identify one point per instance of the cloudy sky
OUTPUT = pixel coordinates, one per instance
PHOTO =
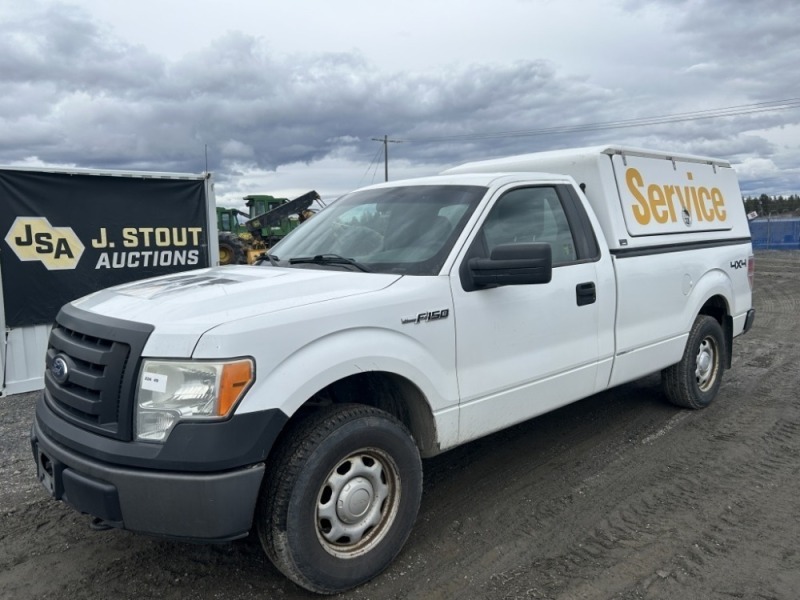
(287, 96)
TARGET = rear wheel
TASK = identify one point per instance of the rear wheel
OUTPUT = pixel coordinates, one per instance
(695, 380)
(341, 497)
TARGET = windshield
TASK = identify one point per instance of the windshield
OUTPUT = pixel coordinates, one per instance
(408, 230)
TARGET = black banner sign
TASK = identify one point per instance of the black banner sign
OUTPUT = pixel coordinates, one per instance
(67, 235)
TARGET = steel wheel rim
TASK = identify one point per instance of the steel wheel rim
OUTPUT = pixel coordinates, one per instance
(706, 364)
(357, 503)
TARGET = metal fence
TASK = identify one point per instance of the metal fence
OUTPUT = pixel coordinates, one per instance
(775, 234)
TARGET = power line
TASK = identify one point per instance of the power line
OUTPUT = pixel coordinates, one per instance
(369, 166)
(375, 167)
(742, 109)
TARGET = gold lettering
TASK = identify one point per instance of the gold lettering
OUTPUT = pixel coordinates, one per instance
(195, 231)
(690, 194)
(718, 204)
(641, 212)
(708, 212)
(162, 236)
(102, 241)
(153, 236)
(658, 204)
(129, 239)
(684, 203)
(146, 231)
(669, 191)
(179, 236)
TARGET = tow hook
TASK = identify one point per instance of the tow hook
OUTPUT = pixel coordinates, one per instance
(98, 524)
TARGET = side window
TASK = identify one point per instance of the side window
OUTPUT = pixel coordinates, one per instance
(529, 215)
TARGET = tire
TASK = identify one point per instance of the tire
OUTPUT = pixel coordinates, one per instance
(231, 249)
(695, 380)
(340, 498)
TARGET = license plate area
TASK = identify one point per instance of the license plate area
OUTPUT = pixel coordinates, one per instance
(49, 472)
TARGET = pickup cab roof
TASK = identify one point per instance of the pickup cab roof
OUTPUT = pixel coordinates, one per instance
(485, 179)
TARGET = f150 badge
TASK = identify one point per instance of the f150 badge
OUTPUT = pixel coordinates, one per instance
(427, 317)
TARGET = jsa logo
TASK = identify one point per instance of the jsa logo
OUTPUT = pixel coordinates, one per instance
(34, 238)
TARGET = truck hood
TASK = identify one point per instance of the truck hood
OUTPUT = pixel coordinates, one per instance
(183, 306)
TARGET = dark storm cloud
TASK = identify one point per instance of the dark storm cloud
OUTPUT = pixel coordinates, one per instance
(77, 95)
(60, 46)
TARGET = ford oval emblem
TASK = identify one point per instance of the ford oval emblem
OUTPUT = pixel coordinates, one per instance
(60, 370)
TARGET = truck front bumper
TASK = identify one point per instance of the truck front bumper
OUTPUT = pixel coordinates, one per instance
(199, 506)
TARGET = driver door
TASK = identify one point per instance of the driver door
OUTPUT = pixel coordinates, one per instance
(522, 350)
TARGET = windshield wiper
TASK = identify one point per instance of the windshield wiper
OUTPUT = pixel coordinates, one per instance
(271, 257)
(328, 259)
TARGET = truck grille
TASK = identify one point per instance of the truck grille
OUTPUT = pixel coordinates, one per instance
(91, 367)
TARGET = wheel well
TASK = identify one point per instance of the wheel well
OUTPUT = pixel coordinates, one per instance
(387, 391)
(717, 307)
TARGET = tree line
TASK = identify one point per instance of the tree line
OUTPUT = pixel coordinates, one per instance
(772, 205)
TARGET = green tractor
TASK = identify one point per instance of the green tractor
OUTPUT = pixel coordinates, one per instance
(230, 231)
(243, 236)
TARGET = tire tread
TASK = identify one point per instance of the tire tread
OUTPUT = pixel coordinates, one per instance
(677, 380)
(300, 440)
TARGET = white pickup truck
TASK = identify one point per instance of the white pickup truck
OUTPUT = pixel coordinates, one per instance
(297, 396)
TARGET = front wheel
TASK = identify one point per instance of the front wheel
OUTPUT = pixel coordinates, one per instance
(341, 497)
(695, 380)
(231, 249)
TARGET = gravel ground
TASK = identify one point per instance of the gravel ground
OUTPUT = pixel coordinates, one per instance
(618, 496)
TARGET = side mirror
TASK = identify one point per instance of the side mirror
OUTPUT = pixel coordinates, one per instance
(513, 264)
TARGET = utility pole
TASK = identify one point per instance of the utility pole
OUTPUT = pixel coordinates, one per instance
(385, 139)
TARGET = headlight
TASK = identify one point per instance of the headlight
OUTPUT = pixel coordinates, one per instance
(171, 391)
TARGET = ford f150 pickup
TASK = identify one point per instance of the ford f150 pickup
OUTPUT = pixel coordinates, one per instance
(298, 396)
